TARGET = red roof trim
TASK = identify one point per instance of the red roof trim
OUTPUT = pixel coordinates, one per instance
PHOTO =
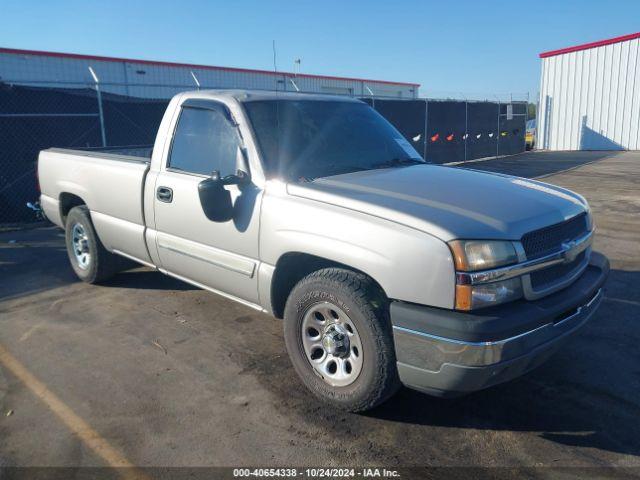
(587, 46)
(191, 65)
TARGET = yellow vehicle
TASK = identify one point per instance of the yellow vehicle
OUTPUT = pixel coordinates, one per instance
(530, 134)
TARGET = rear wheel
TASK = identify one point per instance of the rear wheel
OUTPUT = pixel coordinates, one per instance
(338, 335)
(89, 259)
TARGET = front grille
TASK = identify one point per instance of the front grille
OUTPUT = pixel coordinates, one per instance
(549, 239)
(548, 276)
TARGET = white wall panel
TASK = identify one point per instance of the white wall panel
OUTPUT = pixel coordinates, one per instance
(633, 138)
(590, 98)
(157, 80)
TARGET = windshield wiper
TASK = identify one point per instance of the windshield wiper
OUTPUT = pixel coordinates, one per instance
(344, 169)
(399, 162)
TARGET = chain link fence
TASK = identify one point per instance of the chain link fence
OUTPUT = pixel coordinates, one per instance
(453, 131)
(35, 116)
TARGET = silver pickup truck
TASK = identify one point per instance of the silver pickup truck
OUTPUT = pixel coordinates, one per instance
(386, 270)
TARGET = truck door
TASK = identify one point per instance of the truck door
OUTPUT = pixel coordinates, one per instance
(222, 256)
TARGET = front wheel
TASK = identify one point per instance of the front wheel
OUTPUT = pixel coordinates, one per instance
(338, 335)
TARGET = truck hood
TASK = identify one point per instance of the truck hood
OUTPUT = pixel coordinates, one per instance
(448, 202)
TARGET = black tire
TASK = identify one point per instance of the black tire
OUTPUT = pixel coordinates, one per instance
(102, 264)
(367, 307)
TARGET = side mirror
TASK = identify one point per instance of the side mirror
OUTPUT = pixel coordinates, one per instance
(215, 199)
(238, 178)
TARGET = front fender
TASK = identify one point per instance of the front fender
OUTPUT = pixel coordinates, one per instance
(409, 265)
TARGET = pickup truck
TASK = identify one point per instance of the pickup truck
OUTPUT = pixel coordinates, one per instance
(385, 269)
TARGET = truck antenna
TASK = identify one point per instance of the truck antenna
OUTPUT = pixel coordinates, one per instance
(275, 67)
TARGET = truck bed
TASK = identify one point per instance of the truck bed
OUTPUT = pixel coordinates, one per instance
(109, 181)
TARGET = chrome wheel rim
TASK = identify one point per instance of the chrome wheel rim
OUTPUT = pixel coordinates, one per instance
(80, 245)
(332, 344)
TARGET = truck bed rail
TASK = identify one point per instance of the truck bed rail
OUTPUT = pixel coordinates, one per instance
(137, 154)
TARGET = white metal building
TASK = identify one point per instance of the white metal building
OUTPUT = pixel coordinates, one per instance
(150, 79)
(590, 96)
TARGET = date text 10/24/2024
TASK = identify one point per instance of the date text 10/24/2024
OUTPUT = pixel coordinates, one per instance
(315, 473)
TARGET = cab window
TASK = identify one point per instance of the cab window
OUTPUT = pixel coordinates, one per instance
(205, 140)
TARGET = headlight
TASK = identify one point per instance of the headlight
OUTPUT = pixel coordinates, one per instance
(471, 297)
(472, 255)
(475, 255)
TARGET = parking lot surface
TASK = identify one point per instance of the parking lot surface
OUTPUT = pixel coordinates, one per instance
(169, 375)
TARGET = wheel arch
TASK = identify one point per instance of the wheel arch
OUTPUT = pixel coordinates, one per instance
(292, 267)
(67, 201)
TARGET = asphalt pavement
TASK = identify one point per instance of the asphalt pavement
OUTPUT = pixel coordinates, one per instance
(155, 372)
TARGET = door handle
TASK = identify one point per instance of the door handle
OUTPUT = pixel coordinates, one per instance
(164, 194)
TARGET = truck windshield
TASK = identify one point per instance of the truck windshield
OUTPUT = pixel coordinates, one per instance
(302, 140)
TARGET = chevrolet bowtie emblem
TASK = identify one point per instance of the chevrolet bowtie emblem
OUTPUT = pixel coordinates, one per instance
(570, 252)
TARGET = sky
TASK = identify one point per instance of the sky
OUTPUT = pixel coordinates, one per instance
(460, 49)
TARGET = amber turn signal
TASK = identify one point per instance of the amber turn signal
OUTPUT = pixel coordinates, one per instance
(463, 297)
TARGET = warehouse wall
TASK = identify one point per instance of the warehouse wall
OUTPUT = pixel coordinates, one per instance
(590, 99)
(159, 80)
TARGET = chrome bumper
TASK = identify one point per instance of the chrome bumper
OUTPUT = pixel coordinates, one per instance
(432, 351)
(448, 353)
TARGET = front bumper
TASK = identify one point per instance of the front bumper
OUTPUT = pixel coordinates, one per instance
(449, 353)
